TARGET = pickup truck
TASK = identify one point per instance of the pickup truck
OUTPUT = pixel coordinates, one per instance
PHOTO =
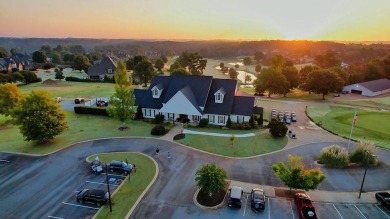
(383, 199)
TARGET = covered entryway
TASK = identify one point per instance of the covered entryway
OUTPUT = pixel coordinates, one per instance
(356, 91)
(183, 118)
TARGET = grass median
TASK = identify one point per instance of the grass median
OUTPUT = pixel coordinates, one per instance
(243, 147)
(81, 128)
(373, 126)
(125, 198)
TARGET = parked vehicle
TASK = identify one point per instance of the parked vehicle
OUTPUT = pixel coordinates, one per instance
(57, 99)
(336, 94)
(257, 199)
(293, 117)
(287, 119)
(235, 197)
(120, 166)
(345, 92)
(383, 199)
(305, 206)
(280, 116)
(94, 196)
(78, 100)
(97, 167)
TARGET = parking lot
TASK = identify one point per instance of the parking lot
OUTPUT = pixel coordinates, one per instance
(70, 208)
(280, 208)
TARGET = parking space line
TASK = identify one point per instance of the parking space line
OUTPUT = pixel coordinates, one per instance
(360, 212)
(246, 203)
(337, 211)
(382, 211)
(292, 212)
(100, 183)
(55, 217)
(65, 203)
(116, 175)
(7, 161)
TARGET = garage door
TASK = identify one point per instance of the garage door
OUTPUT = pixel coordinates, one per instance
(356, 91)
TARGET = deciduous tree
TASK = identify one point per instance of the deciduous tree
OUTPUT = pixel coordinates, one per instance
(10, 96)
(327, 60)
(233, 73)
(323, 82)
(144, 72)
(247, 61)
(39, 118)
(259, 56)
(59, 74)
(122, 102)
(180, 71)
(159, 64)
(3, 52)
(210, 178)
(258, 68)
(291, 74)
(277, 129)
(295, 176)
(81, 62)
(304, 74)
(39, 57)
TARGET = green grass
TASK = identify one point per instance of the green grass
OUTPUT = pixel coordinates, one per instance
(127, 195)
(377, 103)
(81, 128)
(373, 126)
(243, 147)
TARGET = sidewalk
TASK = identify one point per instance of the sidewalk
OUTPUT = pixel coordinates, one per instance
(218, 134)
(317, 195)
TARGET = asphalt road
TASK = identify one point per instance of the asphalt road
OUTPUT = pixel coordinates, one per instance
(35, 187)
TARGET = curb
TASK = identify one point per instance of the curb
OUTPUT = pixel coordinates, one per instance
(209, 208)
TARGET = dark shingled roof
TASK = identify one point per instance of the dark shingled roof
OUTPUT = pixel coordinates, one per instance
(187, 92)
(224, 108)
(243, 105)
(377, 85)
(101, 67)
(257, 110)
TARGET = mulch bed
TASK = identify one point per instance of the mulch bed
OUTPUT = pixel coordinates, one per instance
(287, 193)
(213, 200)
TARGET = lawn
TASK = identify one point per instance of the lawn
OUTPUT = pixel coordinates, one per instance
(377, 103)
(243, 147)
(373, 126)
(81, 128)
(127, 195)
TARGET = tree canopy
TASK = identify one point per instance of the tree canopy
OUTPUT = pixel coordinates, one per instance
(180, 71)
(258, 68)
(122, 102)
(3, 52)
(144, 72)
(304, 74)
(295, 176)
(323, 82)
(247, 61)
(271, 80)
(259, 56)
(233, 73)
(10, 96)
(159, 64)
(81, 62)
(39, 57)
(291, 74)
(193, 61)
(327, 60)
(277, 129)
(39, 118)
(210, 178)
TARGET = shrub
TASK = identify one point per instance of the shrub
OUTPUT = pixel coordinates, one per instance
(158, 130)
(70, 78)
(138, 114)
(252, 121)
(90, 110)
(334, 156)
(359, 155)
(241, 126)
(277, 129)
(179, 136)
(158, 119)
(260, 120)
(30, 77)
(203, 123)
(229, 122)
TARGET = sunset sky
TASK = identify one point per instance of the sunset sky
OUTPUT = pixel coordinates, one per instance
(355, 20)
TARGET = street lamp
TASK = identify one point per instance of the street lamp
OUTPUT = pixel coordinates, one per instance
(365, 170)
(108, 188)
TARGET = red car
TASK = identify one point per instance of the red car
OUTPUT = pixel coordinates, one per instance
(305, 206)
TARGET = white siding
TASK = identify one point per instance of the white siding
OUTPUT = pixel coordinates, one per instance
(365, 91)
(239, 118)
(216, 119)
(179, 104)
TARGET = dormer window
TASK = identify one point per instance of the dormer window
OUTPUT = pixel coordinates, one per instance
(219, 95)
(156, 92)
(109, 71)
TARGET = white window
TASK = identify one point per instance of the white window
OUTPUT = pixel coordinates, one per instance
(218, 97)
(109, 71)
(155, 92)
(211, 119)
(195, 118)
(221, 119)
(148, 112)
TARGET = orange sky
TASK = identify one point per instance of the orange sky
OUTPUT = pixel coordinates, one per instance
(355, 20)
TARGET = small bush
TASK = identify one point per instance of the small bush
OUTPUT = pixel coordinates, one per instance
(334, 156)
(203, 123)
(70, 78)
(158, 119)
(138, 114)
(241, 126)
(158, 130)
(362, 154)
(260, 120)
(277, 129)
(179, 136)
(252, 121)
(229, 122)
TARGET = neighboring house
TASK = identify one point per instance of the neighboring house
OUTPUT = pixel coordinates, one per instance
(369, 88)
(195, 97)
(24, 60)
(105, 66)
(7, 64)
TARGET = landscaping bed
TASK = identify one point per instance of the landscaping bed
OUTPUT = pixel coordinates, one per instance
(215, 199)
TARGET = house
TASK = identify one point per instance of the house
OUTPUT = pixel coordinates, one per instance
(8, 64)
(192, 98)
(369, 88)
(105, 66)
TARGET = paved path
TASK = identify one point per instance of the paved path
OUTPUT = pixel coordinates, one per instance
(186, 131)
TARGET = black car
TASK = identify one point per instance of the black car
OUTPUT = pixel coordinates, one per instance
(79, 100)
(95, 196)
(257, 199)
(121, 166)
(234, 200)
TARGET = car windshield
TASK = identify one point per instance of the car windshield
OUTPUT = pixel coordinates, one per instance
(124, 164)
(258, 197)
(234, 199)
